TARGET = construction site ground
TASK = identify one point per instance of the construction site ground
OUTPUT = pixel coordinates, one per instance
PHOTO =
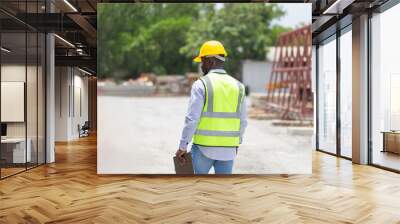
(140, 135)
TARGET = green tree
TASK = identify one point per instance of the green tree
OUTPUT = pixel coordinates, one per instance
(135, 38)
(246, 30)
(163, 38)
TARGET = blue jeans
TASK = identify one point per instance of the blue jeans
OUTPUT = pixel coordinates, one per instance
(202, 164)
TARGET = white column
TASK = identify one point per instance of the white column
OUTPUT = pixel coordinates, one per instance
(360, 90)
(50, 99)
(50, 92)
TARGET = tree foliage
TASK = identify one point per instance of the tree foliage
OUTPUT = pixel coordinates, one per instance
(164, 38)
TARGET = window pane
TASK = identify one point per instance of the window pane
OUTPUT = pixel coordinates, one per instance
(32, 89)
(386, 89)
(327, 96)
(346, 94)
(31, 97)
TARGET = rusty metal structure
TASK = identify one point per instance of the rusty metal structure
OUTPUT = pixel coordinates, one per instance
(289, 89)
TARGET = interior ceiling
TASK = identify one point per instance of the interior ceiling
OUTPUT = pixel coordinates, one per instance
(80, 27)
(76, 23)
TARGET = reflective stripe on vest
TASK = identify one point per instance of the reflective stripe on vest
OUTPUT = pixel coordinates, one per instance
(218, 133)
(220, 120)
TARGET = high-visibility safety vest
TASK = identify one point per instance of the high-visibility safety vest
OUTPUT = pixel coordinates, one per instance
(220, 120)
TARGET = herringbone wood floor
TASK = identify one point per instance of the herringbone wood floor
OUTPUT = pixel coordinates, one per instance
(69, 191)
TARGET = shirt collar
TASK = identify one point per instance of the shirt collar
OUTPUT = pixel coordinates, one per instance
(220, 71)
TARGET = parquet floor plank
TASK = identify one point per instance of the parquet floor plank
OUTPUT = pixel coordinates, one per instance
(70, 191)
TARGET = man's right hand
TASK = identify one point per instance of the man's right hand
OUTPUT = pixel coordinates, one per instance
(180, 155)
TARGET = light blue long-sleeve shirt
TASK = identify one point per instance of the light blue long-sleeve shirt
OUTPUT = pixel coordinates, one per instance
(196, 103)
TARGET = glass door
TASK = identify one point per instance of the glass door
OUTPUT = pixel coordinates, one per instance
(14, 153)
(22, 92)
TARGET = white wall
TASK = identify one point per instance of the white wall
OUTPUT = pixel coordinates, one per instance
(12, 100)
(14, 73)
(71, 102)
(17, 73)
(61, 103)
(80, 110)
(256, 75)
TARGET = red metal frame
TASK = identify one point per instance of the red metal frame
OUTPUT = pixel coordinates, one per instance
(289, 89)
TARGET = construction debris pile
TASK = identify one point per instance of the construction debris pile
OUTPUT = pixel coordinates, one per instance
(149, 84)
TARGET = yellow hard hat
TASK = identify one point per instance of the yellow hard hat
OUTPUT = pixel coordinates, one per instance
(209, 48)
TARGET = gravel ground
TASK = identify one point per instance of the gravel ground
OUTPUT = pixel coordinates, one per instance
(139, 135)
